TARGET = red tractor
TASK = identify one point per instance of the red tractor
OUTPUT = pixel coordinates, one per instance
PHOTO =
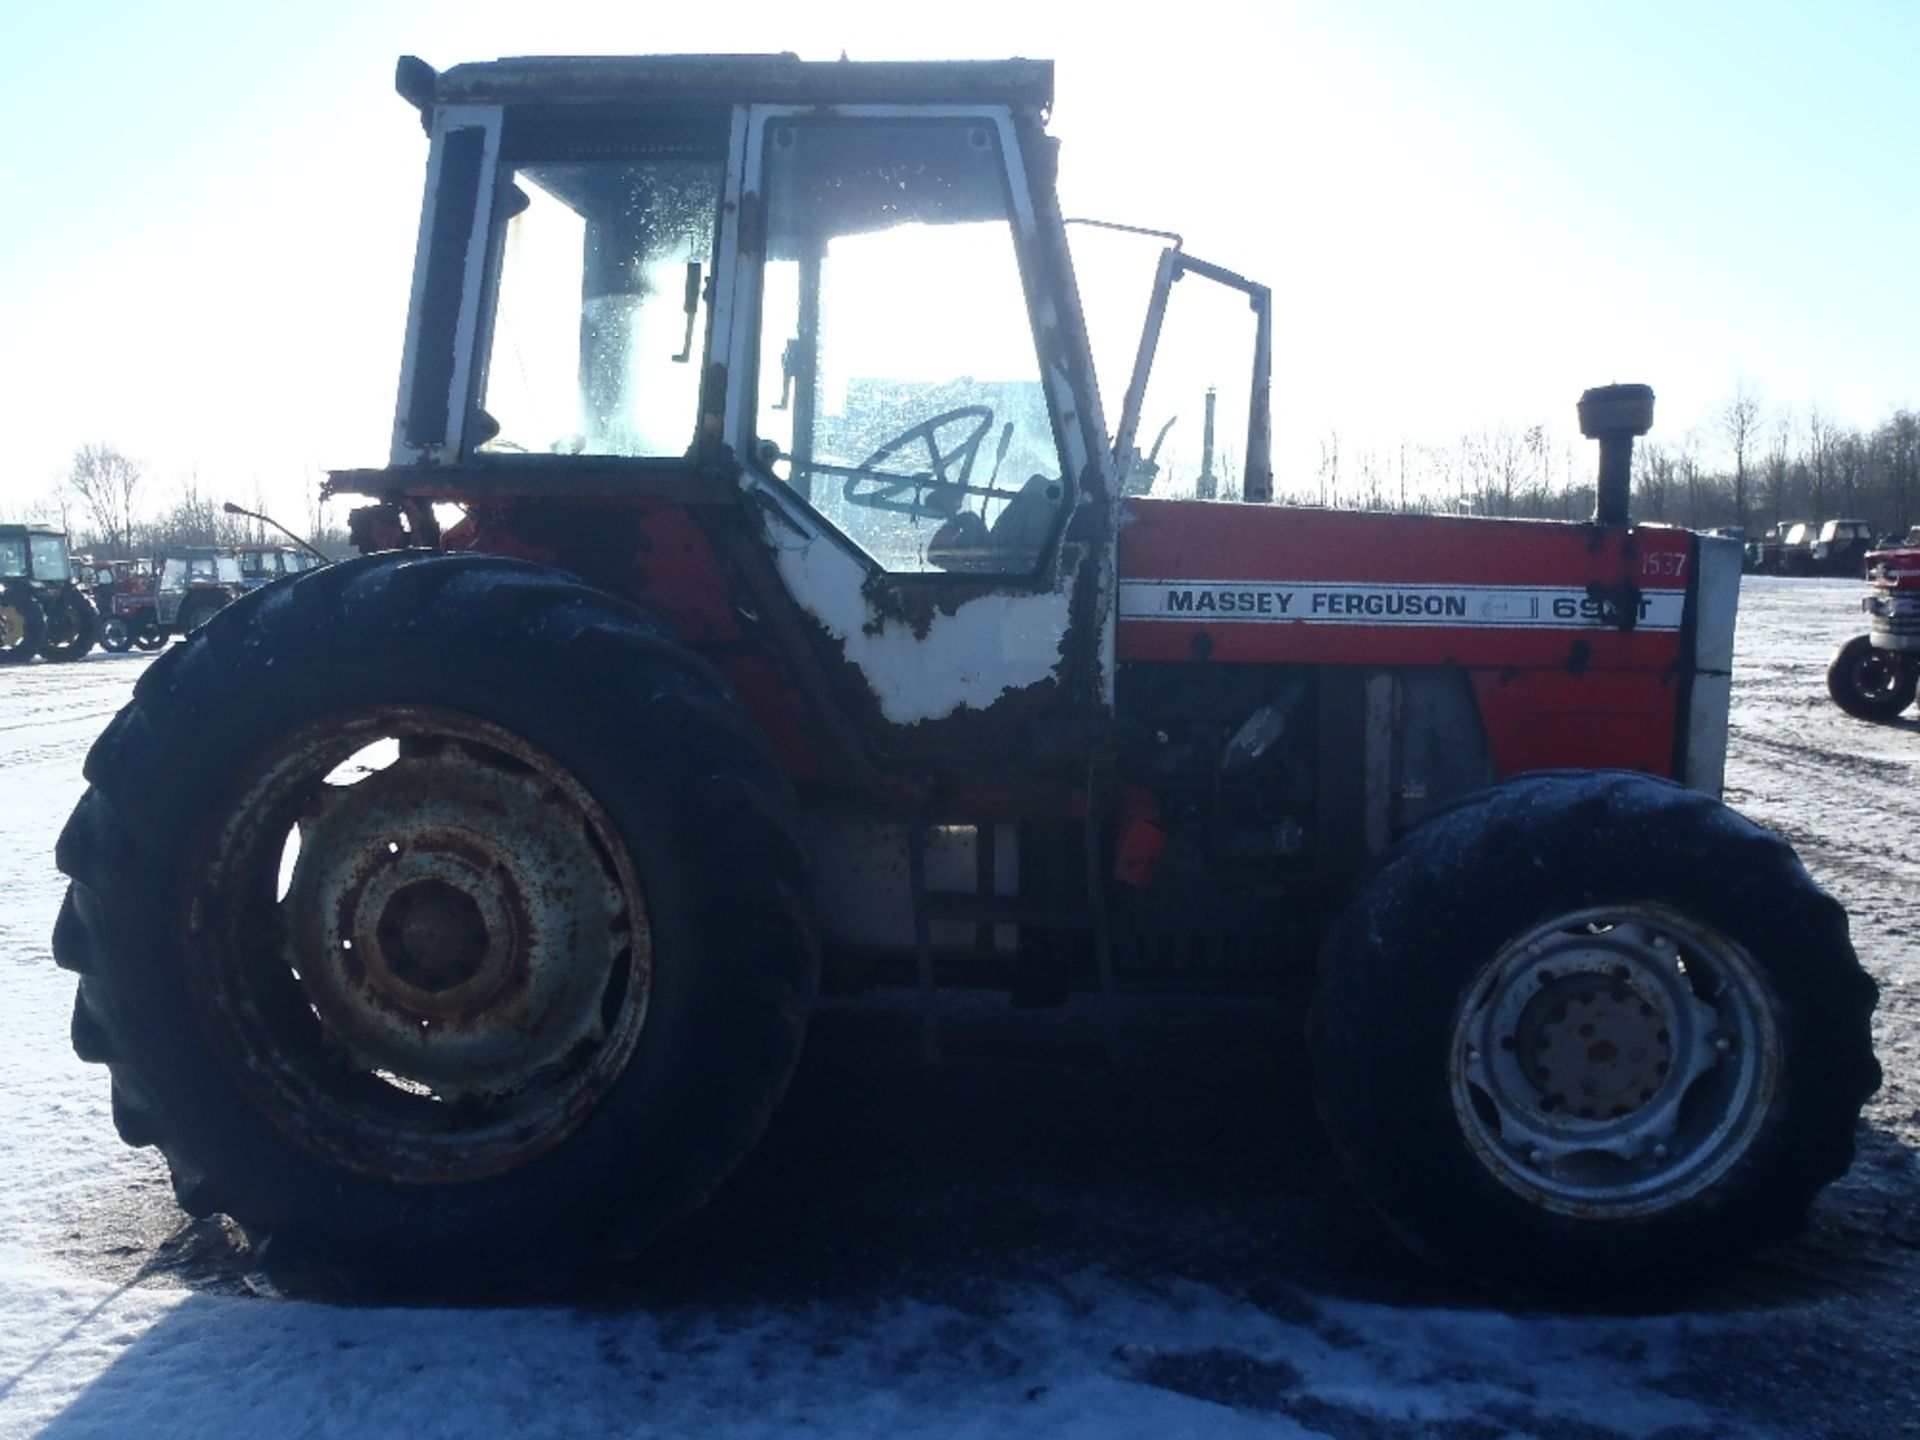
(1877, 675)
(798, 628)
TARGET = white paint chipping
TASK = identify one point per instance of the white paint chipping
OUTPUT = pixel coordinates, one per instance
(988, 648)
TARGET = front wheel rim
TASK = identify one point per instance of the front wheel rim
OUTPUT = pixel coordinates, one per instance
(1878, 676)
(1614, 1062)
(421, 948)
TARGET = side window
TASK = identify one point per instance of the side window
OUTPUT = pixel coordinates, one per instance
(899, 387)
(599, 321)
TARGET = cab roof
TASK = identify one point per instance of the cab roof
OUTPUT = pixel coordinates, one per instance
(772, 79)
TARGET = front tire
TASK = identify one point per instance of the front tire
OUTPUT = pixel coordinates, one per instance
(116, 636)
(401, 964)
(1591, 1035)
(1872, 683)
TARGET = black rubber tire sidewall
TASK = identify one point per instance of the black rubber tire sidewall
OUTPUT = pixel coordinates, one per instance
(1843, 681)
(1395, 971)
(78, 613)
(724, 1014)
(195, 611)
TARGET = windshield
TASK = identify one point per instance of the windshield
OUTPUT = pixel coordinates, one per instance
(178, 571)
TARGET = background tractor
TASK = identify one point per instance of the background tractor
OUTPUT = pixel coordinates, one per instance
(264, 564)
(753, 602)
(43, 609)
(1877, 675)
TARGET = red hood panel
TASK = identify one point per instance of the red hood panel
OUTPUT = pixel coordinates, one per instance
(1273, 584)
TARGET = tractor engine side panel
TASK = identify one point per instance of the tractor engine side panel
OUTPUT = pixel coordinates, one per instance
(1577, 640)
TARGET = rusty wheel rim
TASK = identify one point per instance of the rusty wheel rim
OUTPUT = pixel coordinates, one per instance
(1614, 1062)
(13, 626)
(421, 946)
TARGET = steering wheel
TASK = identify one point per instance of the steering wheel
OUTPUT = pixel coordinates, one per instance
(937, 492)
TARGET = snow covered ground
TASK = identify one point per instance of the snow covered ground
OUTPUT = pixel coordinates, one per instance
(981, 1248)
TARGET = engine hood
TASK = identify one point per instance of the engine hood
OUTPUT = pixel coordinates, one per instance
(1203, 580)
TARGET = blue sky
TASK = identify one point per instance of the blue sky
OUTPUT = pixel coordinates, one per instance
(1468, 212)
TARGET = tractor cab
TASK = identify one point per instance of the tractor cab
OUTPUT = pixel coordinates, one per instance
(833, 301)
(44, 608)
(35, 552)
(264, 564)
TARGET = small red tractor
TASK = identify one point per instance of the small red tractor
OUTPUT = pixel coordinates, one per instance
(755, 600)
(123, 592)
(1877, 675)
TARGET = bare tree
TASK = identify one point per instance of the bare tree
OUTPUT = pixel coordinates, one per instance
(1653, 466)
(1774, 469)
(1691, 474)
(1900, 440)
(1536, 442)
(1820, 436)
(1739, 421)
(108, 484)
(1329, 469)
(1850, 454)
(1505, 467)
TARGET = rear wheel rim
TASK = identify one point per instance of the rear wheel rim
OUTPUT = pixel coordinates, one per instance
(1614, 1062)
(422, 948)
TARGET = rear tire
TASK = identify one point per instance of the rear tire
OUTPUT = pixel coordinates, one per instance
(73, 626)
(1871, 683)
(23, 623)
(584, 883)
(149, 635)
(1588, 1036)
(196, 610)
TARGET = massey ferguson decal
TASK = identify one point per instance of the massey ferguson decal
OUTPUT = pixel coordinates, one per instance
(1502, 607)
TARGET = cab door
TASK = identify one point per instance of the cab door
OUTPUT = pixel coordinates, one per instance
(913, 453)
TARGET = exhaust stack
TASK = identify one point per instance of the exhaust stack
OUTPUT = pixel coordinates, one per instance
(1615, 415)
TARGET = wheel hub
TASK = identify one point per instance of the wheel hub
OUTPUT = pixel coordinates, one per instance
(1594, 1047)
(432, 936)
(443, 913)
